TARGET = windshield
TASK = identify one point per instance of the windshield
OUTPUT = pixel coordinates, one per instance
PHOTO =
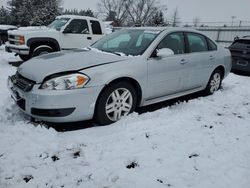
(129, 41)
(58, 23)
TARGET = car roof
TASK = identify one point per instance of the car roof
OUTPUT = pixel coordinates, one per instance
(168, 29)
(77, 17)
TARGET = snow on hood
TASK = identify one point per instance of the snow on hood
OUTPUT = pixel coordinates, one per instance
(33, 28)
(38, 68)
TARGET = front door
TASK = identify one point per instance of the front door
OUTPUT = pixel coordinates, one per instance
(76, 35)
(168, 75)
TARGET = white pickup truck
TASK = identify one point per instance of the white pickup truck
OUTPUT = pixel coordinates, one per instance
(66, 32)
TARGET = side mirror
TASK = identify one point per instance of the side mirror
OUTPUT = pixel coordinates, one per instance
(165, 52)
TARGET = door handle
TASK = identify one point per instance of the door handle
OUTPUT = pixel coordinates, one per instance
(183, 61)
(211, 57)
(89, 38)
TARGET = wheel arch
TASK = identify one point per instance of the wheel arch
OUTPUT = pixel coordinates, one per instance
(33, 43)
(131, 81)
(222, 69)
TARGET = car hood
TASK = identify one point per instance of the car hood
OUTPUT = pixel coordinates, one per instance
(39, 68)
(31, 30)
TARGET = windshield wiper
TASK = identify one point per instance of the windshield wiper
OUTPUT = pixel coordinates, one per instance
(116, 53)
(107, 51)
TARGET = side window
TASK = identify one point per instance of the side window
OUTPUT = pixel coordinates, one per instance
(78, 26)
(96, 27)
(211, 45)
(197, 42)
(175, 42)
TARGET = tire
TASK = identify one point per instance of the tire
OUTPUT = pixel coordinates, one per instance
(24, 57)
(115, 101)
(214, 83)
(41, 50)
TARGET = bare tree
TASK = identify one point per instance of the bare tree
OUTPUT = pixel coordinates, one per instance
(176, 20)
(196, 21)
(115, 10)
(141, 11)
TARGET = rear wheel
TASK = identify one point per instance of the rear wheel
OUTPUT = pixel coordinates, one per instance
(115, 101)
(41, 50)
(214, 83)
(24, 57)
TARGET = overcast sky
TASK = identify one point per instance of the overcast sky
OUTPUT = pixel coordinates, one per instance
(206, 10)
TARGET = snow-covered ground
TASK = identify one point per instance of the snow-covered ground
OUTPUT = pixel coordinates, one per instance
(202, 143)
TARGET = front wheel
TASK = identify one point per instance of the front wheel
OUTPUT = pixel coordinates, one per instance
(115, 101)
(42, 50)
(214, 83)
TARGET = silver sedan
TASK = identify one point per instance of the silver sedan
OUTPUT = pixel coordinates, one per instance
(124, 70)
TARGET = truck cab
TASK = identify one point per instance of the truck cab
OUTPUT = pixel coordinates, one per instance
(64, 33)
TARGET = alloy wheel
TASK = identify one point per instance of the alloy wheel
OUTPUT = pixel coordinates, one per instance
(215, 82)
(119, 104)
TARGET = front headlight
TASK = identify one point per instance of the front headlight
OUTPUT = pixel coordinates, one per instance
(67, 82)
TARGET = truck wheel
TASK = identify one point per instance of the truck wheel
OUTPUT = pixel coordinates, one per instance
(41, 50)
(24, 57)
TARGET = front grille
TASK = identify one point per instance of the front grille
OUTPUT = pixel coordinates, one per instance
(22, 83)
(11, 37)
(52, 112)
(12, 40)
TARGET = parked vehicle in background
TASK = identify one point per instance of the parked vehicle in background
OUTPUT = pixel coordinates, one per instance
(109, 27)
(124, 70)
(4, 32)
(240, 50)
(66, 32)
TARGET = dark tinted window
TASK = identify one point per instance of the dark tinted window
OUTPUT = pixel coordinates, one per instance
(96, 27)
(242, 42)
(78, 26)
(211, 45)
(197, 42)
(175, 42)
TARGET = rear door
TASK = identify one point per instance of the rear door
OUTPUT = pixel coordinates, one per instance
(201, 60)
(76, 35)
(97, 32)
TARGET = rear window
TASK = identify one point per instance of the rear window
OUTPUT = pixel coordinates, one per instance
(96, 27)
(197, 42)
(211, 45)
(242, 42)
